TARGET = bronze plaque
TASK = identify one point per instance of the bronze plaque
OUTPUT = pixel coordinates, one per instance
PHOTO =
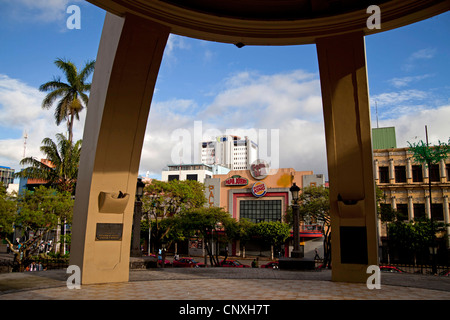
(109, 232)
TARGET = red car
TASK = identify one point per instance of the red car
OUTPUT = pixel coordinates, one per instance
(390, 269)
(271, 265)
(232, 264)
(445, 273)
(187, 263)
(166, 262)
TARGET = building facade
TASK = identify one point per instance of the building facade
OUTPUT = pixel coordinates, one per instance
(405, 185)
(265, 198)
(198, 172)
(6, 176)
(229, 151)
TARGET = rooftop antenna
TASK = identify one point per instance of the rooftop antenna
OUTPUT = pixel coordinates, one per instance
(25, 137)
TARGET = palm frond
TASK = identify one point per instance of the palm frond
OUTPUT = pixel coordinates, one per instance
(53, 85)
(87, 70)
(68, 68)
(51, 97)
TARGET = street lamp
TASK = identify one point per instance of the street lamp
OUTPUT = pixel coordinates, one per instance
(139, 189)
(296, 253)
(136, 247)
(294, 191)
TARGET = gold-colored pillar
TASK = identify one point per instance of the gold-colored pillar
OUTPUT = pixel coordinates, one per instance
(343, 75)
(128, 61)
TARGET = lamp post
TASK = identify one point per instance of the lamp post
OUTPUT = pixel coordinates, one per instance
(136, 245)
(296, 253)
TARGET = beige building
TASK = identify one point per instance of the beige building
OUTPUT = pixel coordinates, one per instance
(404, 183)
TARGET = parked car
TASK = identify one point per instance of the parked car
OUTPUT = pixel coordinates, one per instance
(445, 273)
(187, 263)
(390, 269)
(271, 265)
(232, 264)
(166, 262)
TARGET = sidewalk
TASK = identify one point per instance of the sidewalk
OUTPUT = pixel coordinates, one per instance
(222, 284)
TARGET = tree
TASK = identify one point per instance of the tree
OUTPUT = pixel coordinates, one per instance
(72, 95)
(429, 155)
(239, 230)
(411, 240)
(163, 200)
(315, 206)
(61, 170)
(206, 222)
(38, 212)
(8, 210)
(273, 233)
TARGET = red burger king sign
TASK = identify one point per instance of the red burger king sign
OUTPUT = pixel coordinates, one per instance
(259, 189)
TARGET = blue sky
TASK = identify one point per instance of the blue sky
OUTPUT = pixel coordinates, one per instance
(254, 88)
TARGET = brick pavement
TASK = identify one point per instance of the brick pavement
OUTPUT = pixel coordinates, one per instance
(222, 284)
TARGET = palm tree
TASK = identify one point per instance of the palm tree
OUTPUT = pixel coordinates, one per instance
(71, 95)
(61, 168)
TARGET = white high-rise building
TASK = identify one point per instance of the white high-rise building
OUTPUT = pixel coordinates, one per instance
(229, 151)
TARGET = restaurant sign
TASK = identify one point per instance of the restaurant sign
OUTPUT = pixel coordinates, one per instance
(259, 169)
(236, 181)
(259, 189)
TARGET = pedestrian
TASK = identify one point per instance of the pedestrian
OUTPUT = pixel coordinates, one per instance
(316, 257)
(254, 263)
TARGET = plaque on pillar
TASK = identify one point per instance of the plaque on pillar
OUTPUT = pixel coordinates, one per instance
(108, 232)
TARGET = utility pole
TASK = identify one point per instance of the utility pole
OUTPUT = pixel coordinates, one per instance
(433, 236)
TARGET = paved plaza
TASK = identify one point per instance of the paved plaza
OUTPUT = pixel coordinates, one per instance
(223, 284)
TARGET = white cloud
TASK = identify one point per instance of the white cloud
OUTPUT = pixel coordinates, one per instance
(423, 54)
(406, 81)
(411, 127)
(20, 106)
(248, 102)
(427, 53)
(18, 102)
(46, 11)
(174, 42)
(291, 103)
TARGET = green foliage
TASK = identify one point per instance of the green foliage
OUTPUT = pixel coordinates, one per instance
(38, 212)
(272, 232)
(72, 95)
(239, 230)
(412, 237)
(315, 203)
(169, 198)
(162, 201)
(62, 171)
(205, 222)
(41, 208)
(422, 153)
(7, 211)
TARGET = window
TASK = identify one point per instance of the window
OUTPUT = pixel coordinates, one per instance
(384, 174)
(419, 211)
(447, 167)
(260, 210)
(417, 174)
(174, 177)
(402, 211)
(192, 177)
(434, 173)
(437, 211)
(400, 174)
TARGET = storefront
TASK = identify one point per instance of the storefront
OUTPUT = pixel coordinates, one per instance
(259, 194)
